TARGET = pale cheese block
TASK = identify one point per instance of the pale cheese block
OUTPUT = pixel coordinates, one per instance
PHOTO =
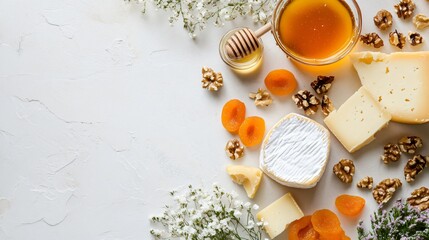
(279, 214)
(398, 81)
(249, 177)
(295, 151)
(357, 121)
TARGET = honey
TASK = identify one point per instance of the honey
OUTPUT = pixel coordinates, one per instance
(316, 29)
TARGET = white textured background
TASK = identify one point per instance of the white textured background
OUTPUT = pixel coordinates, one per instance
(102, 113)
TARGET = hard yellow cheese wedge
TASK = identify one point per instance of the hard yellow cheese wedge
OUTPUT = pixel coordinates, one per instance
(398, 81)
(249, 177)
(357, 121)
(279, 214)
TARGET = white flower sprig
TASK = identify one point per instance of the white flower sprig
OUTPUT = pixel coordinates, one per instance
(195, 14)
(198, 214)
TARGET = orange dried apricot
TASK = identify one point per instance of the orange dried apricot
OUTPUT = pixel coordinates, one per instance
(302, 229)
(326, 223)
(337, 236)
(233, 114)
(280, 82)
(252, 131)
(349, 205)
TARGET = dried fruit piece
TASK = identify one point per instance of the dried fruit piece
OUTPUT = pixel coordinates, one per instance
(410, 144)
(415, 166)
(280, 82)
(306, 101)
(326, 223)
(252, 131)
(421, 21)
(383, 19)
(344, 170)
(302, 229)
(372, 39)
(233, 114)
(322, 84)
(262, 97)
(415, 38)
(365, 182)
(211, 80)
(234, 149)
(405, 8)
(384, 191)
(392, 153)
(419, 198)
(349, 205)
(326, 105)
(397, 39)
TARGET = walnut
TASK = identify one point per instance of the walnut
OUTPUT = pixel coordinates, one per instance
(415, 38)
(415, 166)
(410, 144)
(384, 191)
(419, 198)
(262, 97)
(397, 39)
(326, 105)
(322, 84)
(405, 8)
(392, 153)
(421, 21)
(365, 182)
(345, 169)
(234, 149)
(372, 39)
(383, 19)
(211, 80)
(306, 101)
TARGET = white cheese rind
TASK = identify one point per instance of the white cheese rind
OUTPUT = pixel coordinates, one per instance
(295, 152)
(357, 121)
(398, 81)
(279, 214)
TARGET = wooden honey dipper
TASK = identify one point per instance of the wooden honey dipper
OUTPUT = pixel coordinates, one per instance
(245, 41)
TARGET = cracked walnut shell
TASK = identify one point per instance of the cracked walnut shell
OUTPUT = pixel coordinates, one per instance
(322, 84)
(234, 149)
(397, 39)
(420, 198)
(365, 182)
(306, 101)
(326, 105)
(211, 80)
(410, 144)
(384, 191)
(383, 19)
(344, 170)
(262, 98)
(372, 39)
(420, 21)
(415, 38)
(404, 8)
(415, 166)
(392, 153)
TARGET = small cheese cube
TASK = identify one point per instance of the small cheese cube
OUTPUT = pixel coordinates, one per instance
(279, 214)
(357, 120)
(249, 177)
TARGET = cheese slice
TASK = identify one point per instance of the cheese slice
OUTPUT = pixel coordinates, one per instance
(357, 120)
(398, 81)
(249, 177)
(279, 214)
(295, 151)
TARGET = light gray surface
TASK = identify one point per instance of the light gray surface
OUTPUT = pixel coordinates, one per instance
(102, 113)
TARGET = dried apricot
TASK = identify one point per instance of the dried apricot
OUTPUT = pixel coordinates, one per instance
(252, 131)
(302, 229)
(233, 114)
(326, 223)
(337, 236)
(280, 82)
(349, 205)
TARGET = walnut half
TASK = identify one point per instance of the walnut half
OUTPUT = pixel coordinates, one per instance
(384, 191)
(405, 8)
(365, 182)
(415, 166)
(234, 149)
(410, 144)
(420, 21)
(322, 84)
(415, 38)
(372, 39)
(326, 105)
(392, 153)
(262, 98)
(397, 39)
(306, 101)
(344, 170)
(420, 198)
(383, 19)
(211, 80)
